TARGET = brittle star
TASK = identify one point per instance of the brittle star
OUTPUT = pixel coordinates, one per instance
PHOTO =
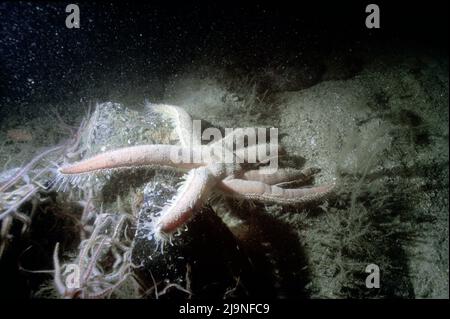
(203, 177)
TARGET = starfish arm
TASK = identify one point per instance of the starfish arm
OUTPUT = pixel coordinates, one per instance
(281, 176)
(133, 156)
(182, 122)
(189, 199)
(259, 191)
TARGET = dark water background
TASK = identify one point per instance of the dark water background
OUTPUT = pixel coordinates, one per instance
(121, 44)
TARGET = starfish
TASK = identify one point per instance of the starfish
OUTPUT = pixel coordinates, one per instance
(210, 174)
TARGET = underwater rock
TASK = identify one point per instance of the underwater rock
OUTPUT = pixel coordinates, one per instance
(204, 260)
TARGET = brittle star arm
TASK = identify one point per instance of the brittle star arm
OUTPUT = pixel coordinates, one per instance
(60, 287)
(259, 191)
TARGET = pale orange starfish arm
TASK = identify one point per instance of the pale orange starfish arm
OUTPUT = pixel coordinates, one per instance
(194, 191)
(280, 177)
(133, 156)
(255, 190)
(197, 186)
